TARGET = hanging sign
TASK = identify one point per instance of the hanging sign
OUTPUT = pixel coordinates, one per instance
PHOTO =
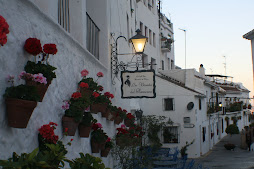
(138, 84)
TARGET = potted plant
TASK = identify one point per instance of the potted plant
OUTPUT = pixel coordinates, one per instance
(98, 138)
(86, 124)
(109, 145)
(20, 102)
(33, 46)
(111, 112)
(183, 150)
(249, 106)
(87, 85)
(4, 30)
(129, 120)
(25, 160)
(120, 115)
(229, 146)
(100, 102)
(74, 111)
(87, 161)
(231, 129)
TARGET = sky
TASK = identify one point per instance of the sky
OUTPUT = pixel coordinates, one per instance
(214, 28)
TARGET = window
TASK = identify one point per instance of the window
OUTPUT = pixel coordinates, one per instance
(170, 134)
(222, 126)
(154, 40)
(150, 37)
(168, 64)
(199, 104)
(144, 60)
(145, 31)
(153, 62)
(162, 65)
(64, 14)
(172, 64)
(92, 37)
(203, 133)
(168, 104)
(141, 28)
(186, 120)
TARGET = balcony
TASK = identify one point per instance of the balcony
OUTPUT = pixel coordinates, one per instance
(213, 107)
(233, 107)
(166, 44)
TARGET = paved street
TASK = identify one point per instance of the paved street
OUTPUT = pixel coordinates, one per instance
(221, 158)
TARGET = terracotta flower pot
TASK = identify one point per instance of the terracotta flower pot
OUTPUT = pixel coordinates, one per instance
(102, 145)
(19, 112)
(118, 120)
(95, 147)
(84, 131)
(98, 107)
(70, 124)
(105, 152)
(41, 88)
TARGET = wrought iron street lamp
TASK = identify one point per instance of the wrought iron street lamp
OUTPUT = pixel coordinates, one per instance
(138, 41)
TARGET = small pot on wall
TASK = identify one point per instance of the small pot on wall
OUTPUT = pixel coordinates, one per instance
(19, 112)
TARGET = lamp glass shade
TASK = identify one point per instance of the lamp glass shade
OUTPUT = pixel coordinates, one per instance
(139, 44)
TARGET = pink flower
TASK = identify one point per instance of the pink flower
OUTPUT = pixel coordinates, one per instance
(99, 125)
(10, 78)
(39, 78)
(100, 74)
(66, 105)
(84, 73)
(87, 109)
(123, 126)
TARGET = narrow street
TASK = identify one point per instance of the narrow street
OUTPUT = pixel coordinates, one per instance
(220, 158)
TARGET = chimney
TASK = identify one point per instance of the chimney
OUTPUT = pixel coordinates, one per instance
(202, 71)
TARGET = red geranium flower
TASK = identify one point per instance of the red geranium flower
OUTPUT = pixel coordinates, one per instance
(130, 116)
(33, 46)
(3, 39)
(76, 95)
(84, 85)
(95, 94)
(50, 49)
(4, 27)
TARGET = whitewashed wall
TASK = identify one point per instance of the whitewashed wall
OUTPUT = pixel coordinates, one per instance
(26, 20)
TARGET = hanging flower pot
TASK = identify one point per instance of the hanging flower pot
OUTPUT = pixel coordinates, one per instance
(41, 88)
(19, 112)
(95, 147)
(118, 120)
(98, 107)
(84, 131)
(69, 125)
(105, 152)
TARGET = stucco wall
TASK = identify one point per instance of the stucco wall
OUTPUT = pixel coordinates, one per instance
(26, 20)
